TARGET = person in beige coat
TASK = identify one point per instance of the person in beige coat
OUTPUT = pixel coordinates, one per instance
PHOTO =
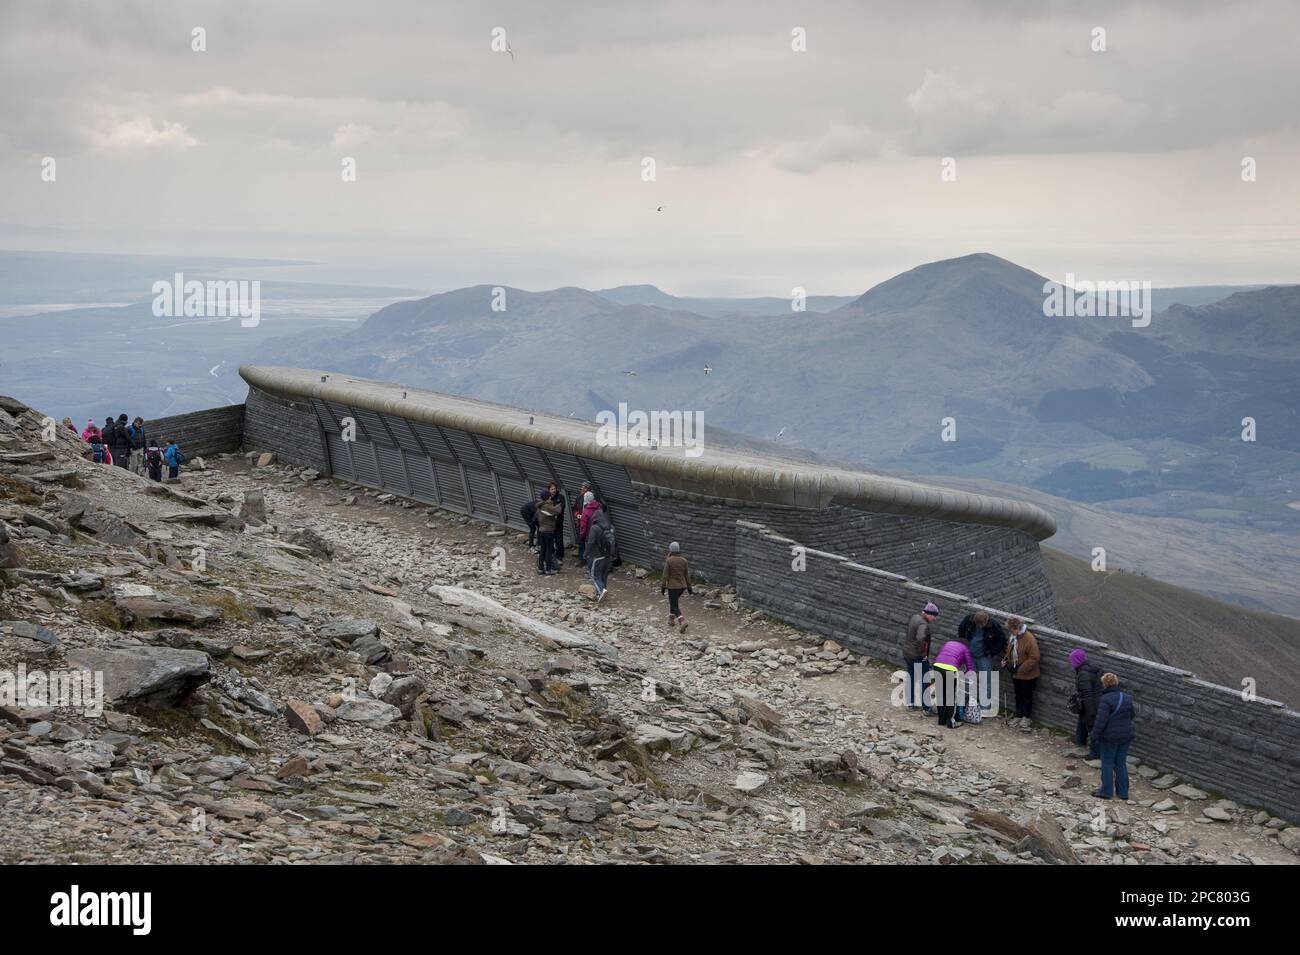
(676, 580)
(1022, 658)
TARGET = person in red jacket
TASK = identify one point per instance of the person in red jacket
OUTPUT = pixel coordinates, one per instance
(577, 522)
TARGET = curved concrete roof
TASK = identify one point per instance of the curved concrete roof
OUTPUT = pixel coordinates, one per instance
(719, 471)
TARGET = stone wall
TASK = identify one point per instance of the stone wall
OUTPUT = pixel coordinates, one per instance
(289, 428)
(1249, 751)
(211, 431)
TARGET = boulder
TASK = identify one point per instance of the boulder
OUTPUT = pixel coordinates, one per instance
(368, 712)
(29, 631)
(253, 510)
(304, 717)
(348, 631)
(156, 675)
(166, 608)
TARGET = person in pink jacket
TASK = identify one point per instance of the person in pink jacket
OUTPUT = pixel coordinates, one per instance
(952, 663)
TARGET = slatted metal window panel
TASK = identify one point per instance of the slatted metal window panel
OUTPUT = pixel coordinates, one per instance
(374, 425)
(392, 470)
(400, 428)
(363, 459)
(530, 459)
(451, 486)
(632, 542)
(463, 445)
(325, 416)
(483, 494)
(612, 480)
(434, 443)
(337, 412)
(498, 457)
(514, 494)
(420, 468)
(340, 460)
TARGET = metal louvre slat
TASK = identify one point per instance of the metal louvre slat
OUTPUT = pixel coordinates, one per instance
(340, 460)
(374, 426)
(363, 458)
(420, 468)
(498, 457)
(401, 430)
(337, 412)
(463, 445)
(611, 480)
(433, 441)
(568, 471)
(531, 460)
(451, 486)
(392, 470)
(325, 416)
(514, 493)
(483, 494)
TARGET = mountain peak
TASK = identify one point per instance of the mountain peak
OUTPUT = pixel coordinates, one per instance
(948, 281)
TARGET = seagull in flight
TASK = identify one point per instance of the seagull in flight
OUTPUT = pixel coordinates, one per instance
(708, 368)
(659, 209)
(630, 374)
(779, 433)
(213, 370)
(510, 51)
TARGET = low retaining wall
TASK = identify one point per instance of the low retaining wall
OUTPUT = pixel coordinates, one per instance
(1249, 751)
(211, 431)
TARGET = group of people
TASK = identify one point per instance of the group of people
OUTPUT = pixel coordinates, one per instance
(1105, 710)
(129, 446)
(597, 545)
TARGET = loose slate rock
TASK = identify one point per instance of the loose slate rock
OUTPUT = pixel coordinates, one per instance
(159, 675)
(29, 630)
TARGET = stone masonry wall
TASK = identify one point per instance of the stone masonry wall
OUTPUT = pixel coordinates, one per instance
(289, 428)
(1249, 751)
(211, 431)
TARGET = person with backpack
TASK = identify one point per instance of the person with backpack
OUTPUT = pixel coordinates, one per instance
(139, 443)
(916, 656)
(1113, 732)
(174, 457)
(602, 549)
(1084, 700)
(1022, 658)
(99, 452)
(675, 581)
(120, 443)
(548, 515)
(987, 641)
(153, 462)
(89, 430)
(953, 661)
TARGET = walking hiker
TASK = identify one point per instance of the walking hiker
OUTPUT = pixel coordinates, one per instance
(676, 579)
(601, 548)
(153, 462)
(987, 641)
(139, 443)
(1087, 694)
(548, 514)
(1022, 658)
(1113, 733)
(953, 661)
(584, 494)
(916, 656)
(121, 443)
(174, 457)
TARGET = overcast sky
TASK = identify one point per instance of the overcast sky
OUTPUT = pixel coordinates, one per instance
(775, 168)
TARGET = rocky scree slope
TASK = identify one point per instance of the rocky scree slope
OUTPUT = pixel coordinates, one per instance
(299, 671)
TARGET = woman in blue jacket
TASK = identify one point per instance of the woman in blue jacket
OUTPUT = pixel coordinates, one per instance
(1112, 732)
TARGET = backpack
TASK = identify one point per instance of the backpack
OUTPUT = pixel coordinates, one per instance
(97, 452)
(180, 456)
(153, 458)
(611, 547)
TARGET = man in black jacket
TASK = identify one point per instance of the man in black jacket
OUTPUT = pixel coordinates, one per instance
(1087, 694)
(121, 443)
(987, 641)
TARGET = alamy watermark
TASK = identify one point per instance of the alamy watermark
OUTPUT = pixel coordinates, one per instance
(651, 429)
(1085, 299)
(229, 298)
(66, 689)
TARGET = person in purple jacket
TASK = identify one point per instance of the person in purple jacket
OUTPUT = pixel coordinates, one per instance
(953, 662)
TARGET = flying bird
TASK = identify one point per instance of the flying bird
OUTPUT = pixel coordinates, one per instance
(213, 370)
(510, 51)
(708, 368)
(630, 374)
(779, 433)
(659, 209)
